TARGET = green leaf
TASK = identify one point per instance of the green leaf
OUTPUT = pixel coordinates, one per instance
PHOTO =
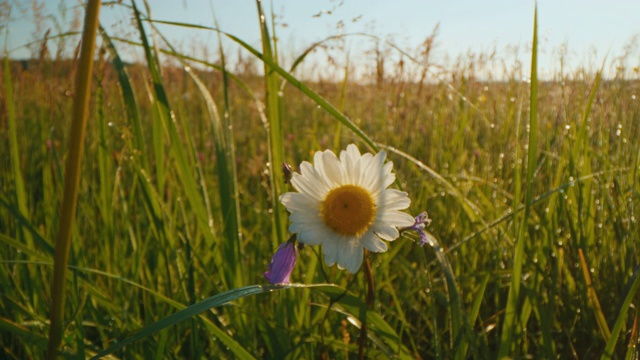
(206, 304)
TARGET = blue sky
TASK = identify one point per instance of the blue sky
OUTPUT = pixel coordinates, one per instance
(590, 28)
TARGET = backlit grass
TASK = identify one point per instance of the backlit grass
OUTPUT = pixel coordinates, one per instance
(177, 216)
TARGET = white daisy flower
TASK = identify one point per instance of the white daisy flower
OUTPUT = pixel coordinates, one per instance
(344, 205)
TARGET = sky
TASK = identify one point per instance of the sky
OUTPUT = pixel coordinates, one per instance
(590, 29)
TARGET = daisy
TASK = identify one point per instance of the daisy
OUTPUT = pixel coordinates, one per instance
(344, 205)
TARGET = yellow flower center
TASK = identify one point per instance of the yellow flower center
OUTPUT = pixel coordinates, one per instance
(348, 210)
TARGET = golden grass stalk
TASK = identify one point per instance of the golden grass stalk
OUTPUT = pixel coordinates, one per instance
(72, 175)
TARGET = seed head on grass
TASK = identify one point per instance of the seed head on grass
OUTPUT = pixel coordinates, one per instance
(344, 205)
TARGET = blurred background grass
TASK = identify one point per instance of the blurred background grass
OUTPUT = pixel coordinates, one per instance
(172, 140)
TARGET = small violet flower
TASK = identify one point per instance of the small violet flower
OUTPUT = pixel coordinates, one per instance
(282, 263)
(421, 221)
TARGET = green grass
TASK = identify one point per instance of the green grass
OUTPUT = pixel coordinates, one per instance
(532, 187)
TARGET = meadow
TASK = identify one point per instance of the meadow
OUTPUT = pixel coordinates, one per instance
(531, 184)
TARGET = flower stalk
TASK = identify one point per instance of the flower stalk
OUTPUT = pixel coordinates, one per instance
(72, 176)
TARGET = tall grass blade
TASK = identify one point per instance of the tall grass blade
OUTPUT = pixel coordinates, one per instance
(594, 303)
(128, 96)
(105, 170)
(314, 96)
(197, 308)
(226, 186)
(177, 151)
(511, 311)
(634, 342)
(276, 138)
(72, 176)
(458, 340)
(20, 192)
(231, 202)
(634, 283)
(39, 240)
(379, 331)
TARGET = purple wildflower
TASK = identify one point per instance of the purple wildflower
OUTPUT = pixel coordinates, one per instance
(282, 263)
(420, 223)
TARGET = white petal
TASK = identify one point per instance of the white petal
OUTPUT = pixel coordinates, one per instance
(318, 164)
(333, 168)
(350, 254)
(310, 182)
(389, 177)
(314, 235)
(385, 231)
(306, 169)
(395, 218)
(392, 199)
(351, 163)
(299, 227)
(374, 174)
(303, 185)
(372, 243)
(298, 201)
(330, 250)
(311, 174)
(305, 217)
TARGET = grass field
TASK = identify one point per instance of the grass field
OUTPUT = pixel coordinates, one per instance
(532, 187)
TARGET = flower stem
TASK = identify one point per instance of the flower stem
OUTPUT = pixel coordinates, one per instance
(72, 176)
(369, 301)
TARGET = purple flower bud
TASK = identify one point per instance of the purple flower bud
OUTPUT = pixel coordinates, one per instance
(282, 263)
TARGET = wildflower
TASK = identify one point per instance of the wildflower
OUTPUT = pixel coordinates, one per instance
(419, 224)
(283, 262)
(344, 205)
